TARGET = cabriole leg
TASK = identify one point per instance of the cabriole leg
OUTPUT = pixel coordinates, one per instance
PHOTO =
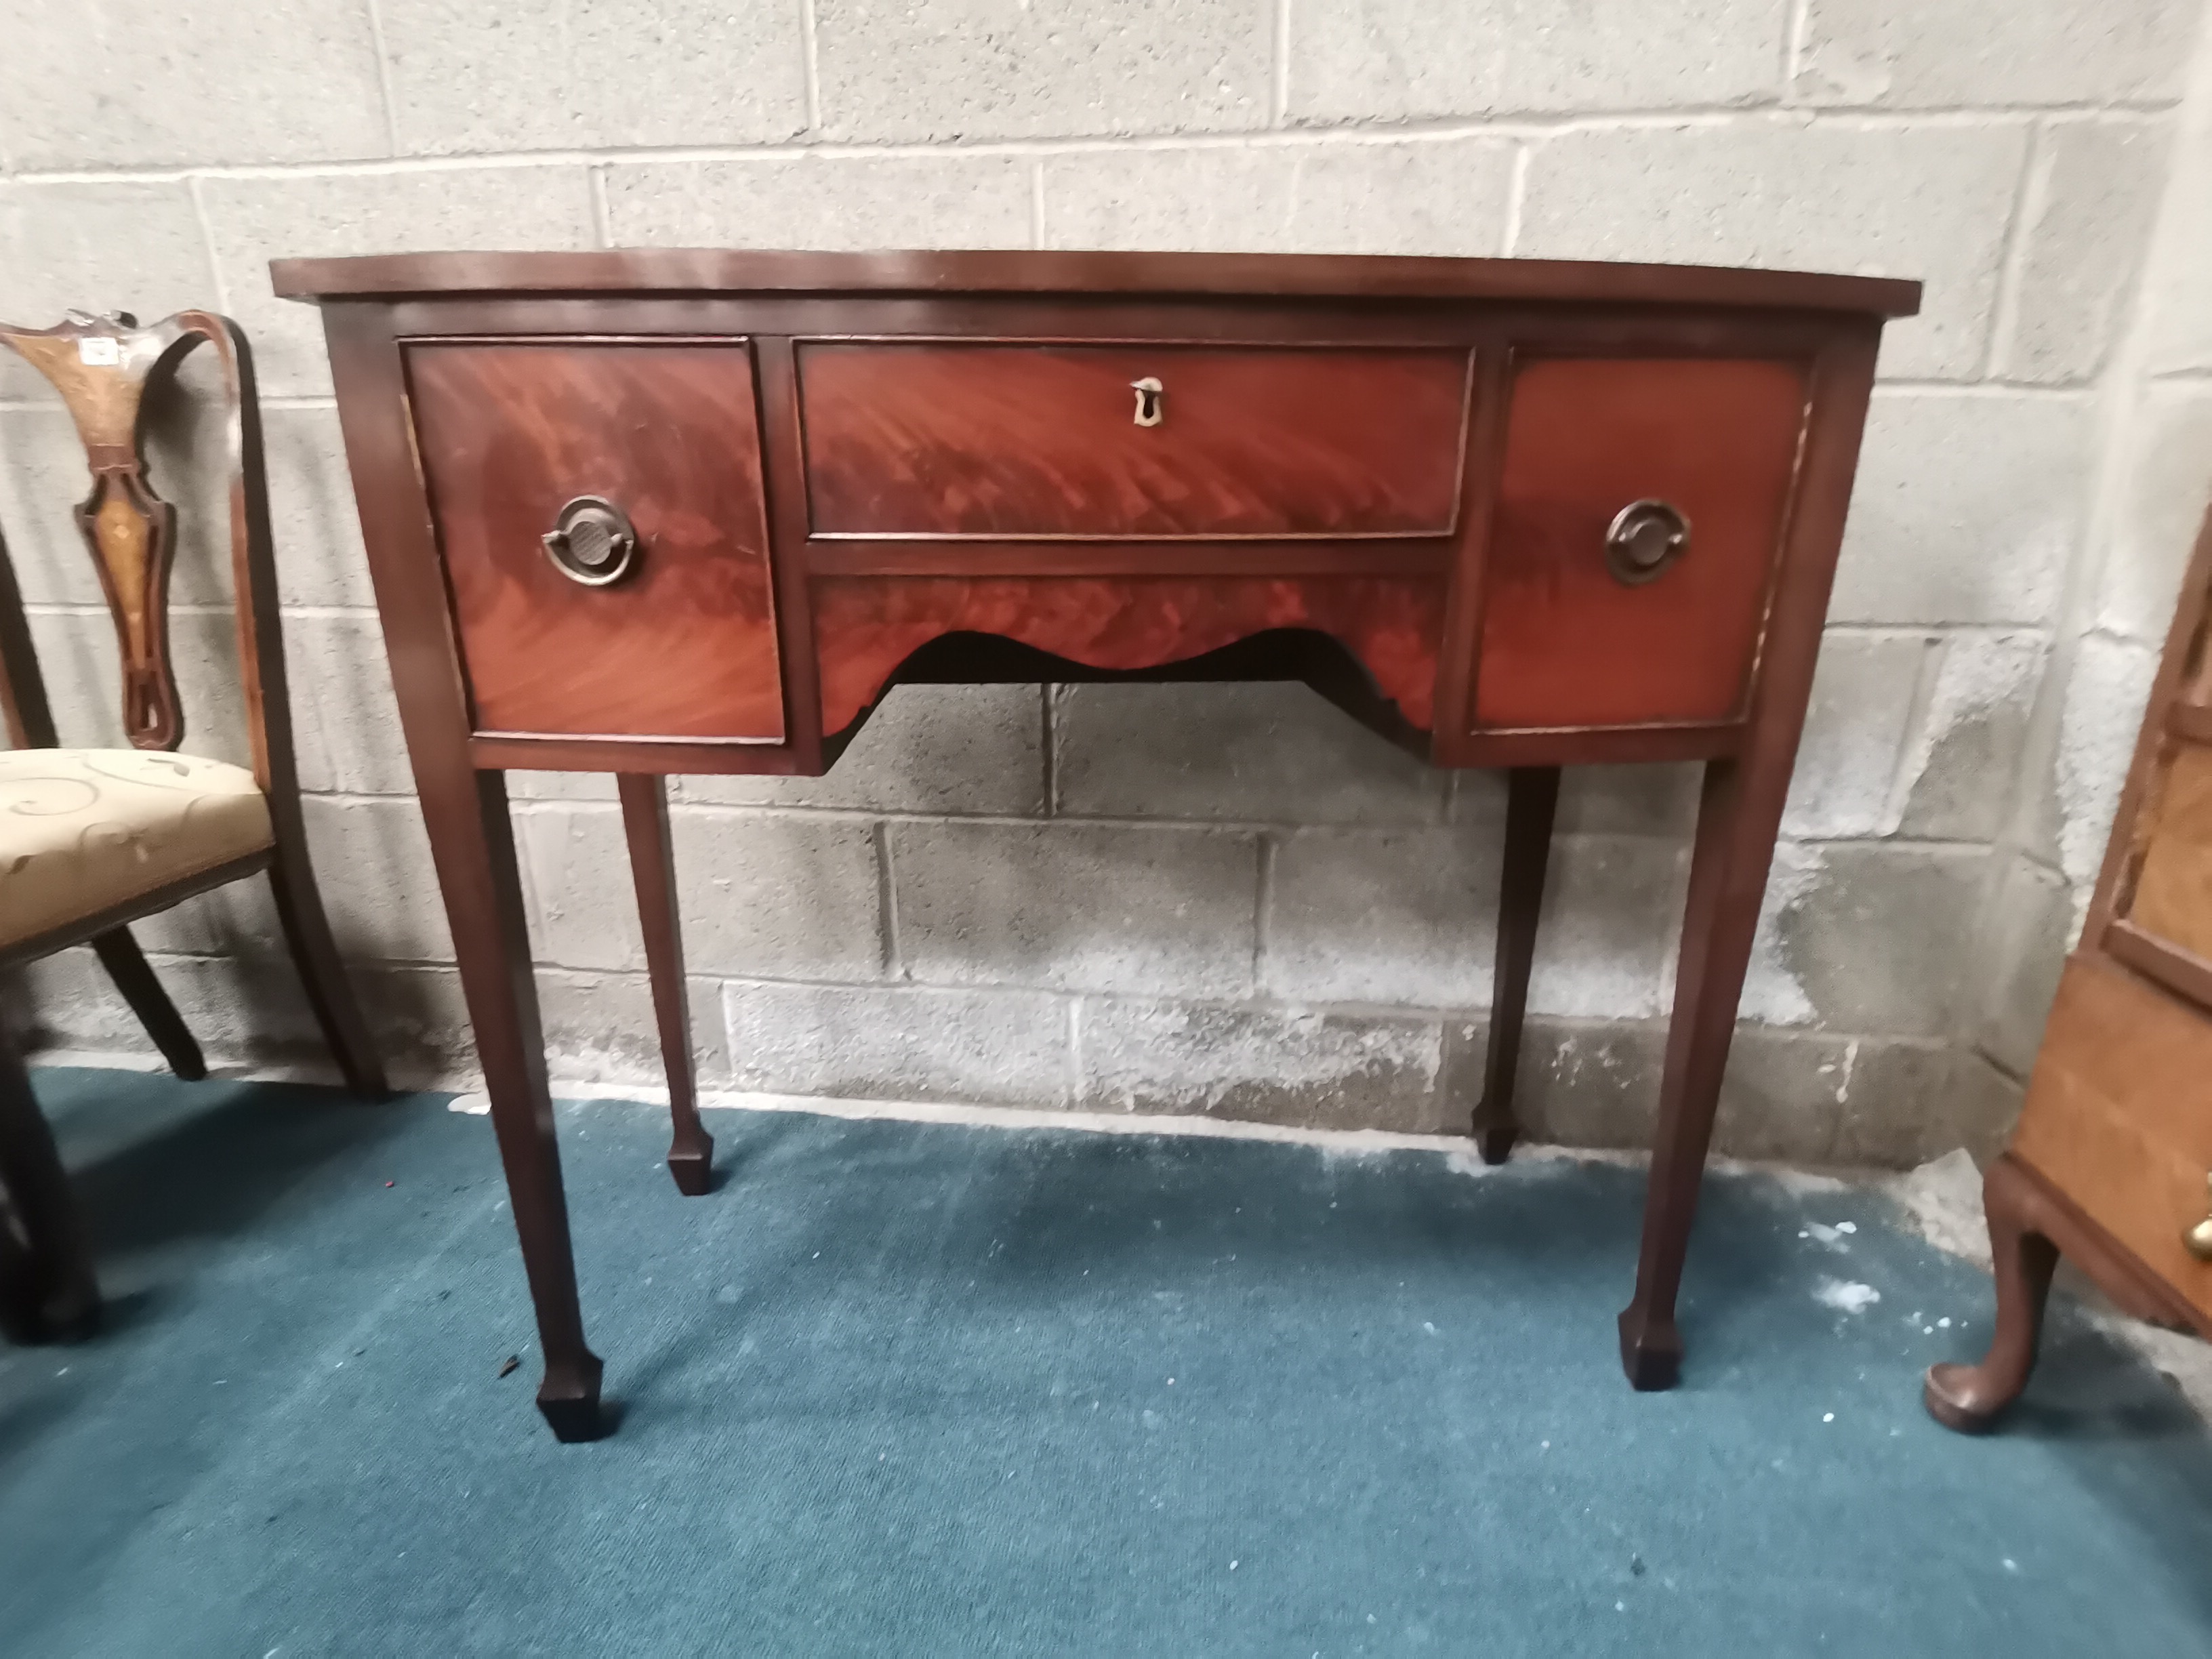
(1970, 1398)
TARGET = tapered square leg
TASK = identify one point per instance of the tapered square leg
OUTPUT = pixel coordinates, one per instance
(569, 1398)
(473, 843)
(1531, 798)
(653, 868)
(1737, 816)
(692, 1166)
(1650, 1350)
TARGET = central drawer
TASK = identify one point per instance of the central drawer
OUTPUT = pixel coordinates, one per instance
(943, 440)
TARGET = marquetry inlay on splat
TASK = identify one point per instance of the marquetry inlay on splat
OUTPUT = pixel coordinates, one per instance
(102, 365)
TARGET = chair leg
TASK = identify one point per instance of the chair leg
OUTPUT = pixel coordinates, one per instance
(119, 953)
(19, 1283)
(53, 1294)
(322, 973)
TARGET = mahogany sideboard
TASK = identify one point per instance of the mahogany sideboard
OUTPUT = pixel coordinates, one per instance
(695, 512)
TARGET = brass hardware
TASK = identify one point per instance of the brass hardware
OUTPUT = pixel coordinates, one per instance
(1148, 392)
(2199, 1238)
(1645, 538)
(592, 541)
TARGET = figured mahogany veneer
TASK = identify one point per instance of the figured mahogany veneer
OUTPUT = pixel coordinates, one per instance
(685, 646)
(1042, 441)
(1402, 481)
(865, 627)
(1565, 643)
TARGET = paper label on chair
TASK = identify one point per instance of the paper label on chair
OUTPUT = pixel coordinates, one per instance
(100, 354)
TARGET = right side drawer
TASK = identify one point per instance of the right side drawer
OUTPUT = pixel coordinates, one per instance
(1573, 637)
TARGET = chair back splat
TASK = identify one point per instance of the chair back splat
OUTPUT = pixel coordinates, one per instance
(104, 367)
(93, 839)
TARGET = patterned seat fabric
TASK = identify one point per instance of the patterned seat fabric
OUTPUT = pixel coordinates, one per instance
(83, 830)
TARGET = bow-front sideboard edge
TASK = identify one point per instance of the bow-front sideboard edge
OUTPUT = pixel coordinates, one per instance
(695, 512)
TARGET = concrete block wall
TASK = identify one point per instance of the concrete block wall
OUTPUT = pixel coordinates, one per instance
(1223, 900)
(2147, 498)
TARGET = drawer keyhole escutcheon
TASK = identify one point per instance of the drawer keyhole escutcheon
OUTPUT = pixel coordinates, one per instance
(1148, 392)
(592, 541)
(1645, 538)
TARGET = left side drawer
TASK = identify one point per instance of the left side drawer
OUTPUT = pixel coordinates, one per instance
(682, 642)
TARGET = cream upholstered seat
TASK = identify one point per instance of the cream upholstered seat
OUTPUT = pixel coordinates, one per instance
(83, 830)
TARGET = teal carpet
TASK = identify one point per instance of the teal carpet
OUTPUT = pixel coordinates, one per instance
(897, 1388)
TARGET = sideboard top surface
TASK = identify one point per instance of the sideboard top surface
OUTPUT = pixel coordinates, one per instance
(1289, 275)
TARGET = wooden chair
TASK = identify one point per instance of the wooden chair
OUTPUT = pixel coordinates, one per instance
(92, 839)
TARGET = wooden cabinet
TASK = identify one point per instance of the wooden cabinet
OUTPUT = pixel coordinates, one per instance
(2112, 1163)
(2120, 1120)
(695, 512)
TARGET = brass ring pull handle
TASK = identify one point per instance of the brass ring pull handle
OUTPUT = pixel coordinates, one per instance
(1645, 538)
(2199, 1238)
(1148, 392)
(592, 541)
